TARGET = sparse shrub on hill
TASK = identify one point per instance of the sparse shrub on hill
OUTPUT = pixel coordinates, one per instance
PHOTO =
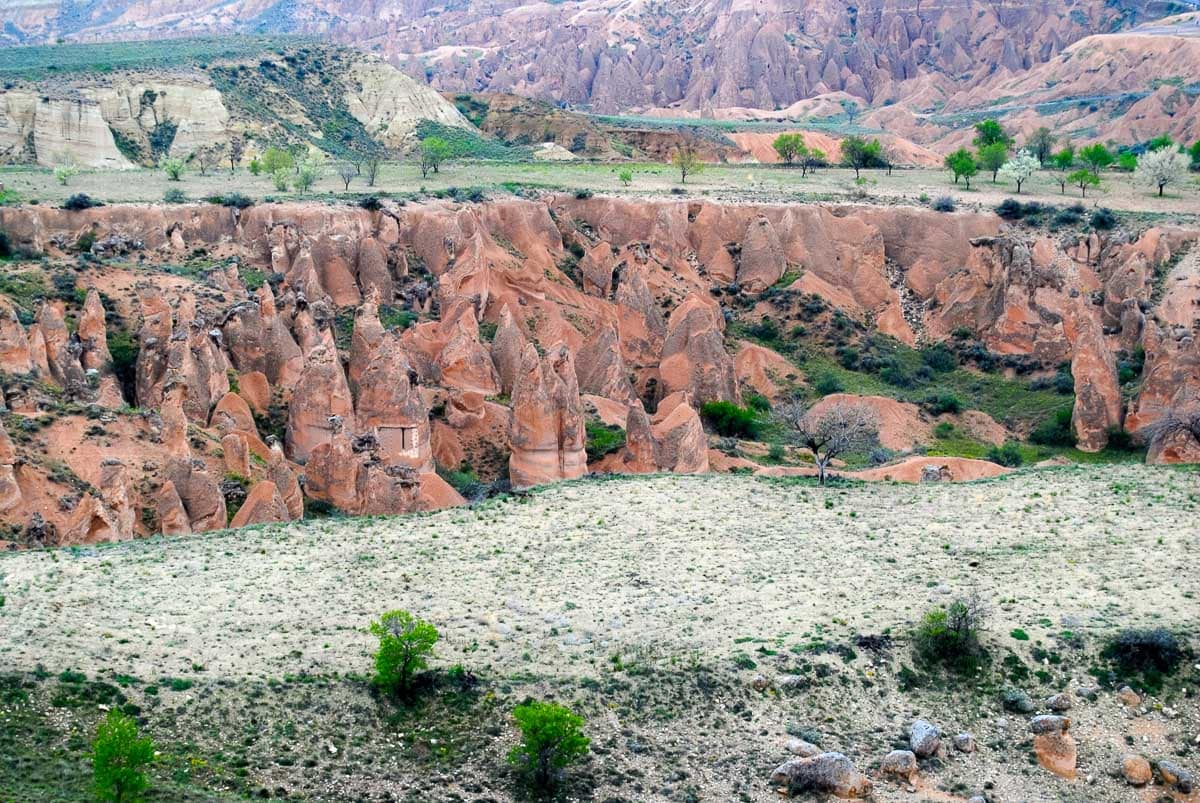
(950, 636)
(405, 646)
(1055, 431)
(939, 403)
(80, 201)
(603, 439)
(943, 203)
(175, 196)
(730, 420)
(1144, 656)
(827, 385)
(119, 757)
(1007, 455)
(1103, 219)
(551, 740)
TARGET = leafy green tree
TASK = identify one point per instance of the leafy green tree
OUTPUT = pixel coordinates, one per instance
(790, 147)
(119, 757)
(858, 153)
(64, 173)
(434, 151)
(989, 132)
(1127, 161)
(405, 646)
(307, 175)
(1160, 142)
(814, 159)
(172, 167)
(962, 164)
(1019, 168)
(625, 176)
(256, 167)
(1041, 144)
(275, 159)
(1096, 157)
(1194, 152)
(551, 740)
(992, 157)
(280, 180)
(1084, 179)
(1063, 161)
(687, 161)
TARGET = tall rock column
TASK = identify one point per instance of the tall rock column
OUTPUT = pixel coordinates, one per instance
(547, 432)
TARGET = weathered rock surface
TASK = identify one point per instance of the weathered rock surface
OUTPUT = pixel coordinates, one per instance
(547, 433)
(828, 773)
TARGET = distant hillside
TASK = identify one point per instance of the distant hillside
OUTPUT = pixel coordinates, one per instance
(120, 104)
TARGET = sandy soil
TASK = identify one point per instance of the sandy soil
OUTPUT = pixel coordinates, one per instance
(735, 575)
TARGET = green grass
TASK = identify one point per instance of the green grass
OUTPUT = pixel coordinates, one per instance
(468, 144)
(43, 61)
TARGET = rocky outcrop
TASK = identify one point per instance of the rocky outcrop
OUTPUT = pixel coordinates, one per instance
(694, 357)
(321, 404)
(547, 434)
(10, 490)
(673, 440)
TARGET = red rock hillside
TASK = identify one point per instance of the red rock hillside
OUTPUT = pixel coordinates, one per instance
(330, 356)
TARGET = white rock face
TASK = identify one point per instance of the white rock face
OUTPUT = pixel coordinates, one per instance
(389, 104)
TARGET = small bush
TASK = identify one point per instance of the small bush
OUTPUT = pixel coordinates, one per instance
(371, 203)
(236, 200)
(939, 357)
(731, 421)
(118, 758)
(938, 403)
(1010, 209)
(828, 384)
(175, 196)
(405, 646)
(1055, 431)
(1103, 219)
(950, 636)
(603, 439)
(758, 402)
(1007, 455)
(1120, 439)
(583, 195)
(944, 430)
(943, 203)
(80, 201)
(895, 372)
(551, 740)
(1135, 650)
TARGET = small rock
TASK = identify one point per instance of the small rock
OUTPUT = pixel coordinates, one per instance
(1129, 697)
(1059, 702)
(791, 681)
(831, 773)
(965, 743)
(1175, 775)
(899, 764)
(799, 747)
(1089, 693)
(1056, 752)
(1136, 770)
(977, 799)
(760, 682)
(1049, 723)
(924, 738)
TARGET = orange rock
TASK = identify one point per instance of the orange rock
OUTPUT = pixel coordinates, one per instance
(762, 261)
(464, 364)
(900, 424)
(172, 517)
(693, 355)
(602, 371)
(507, 347)
(1056, 752)
(263, 505)
(14, 344)
(320, 405)
(764, 370)
(547, 433)
(254, 388)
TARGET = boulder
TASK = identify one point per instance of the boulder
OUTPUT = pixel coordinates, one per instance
(507, 347)
(899, 764)
(1136, 770)
(965, 743)
(263, 505)
(924, 738)
(693, 354)
(826, 773)
(1174, 775)
(762, 261)
(320, 406)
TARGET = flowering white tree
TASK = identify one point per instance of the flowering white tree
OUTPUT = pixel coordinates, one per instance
(1019, 168)
(1160, 168)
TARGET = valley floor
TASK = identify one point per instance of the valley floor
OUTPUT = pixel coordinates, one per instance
(744, 182)
(647, 604)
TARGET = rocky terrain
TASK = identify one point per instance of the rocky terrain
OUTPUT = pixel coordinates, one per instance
(333, 99)
(709, 628)
(918, 70)
(181, 368)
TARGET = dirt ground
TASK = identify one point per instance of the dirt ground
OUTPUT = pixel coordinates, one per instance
(727, 182)
(650, 605)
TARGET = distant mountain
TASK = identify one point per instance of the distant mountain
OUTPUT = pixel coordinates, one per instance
(622, 55)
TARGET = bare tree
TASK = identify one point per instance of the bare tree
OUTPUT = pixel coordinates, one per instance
(346, 172)
(207, 158)
(1178, 421)
(830, 432)
(237, 147)
(372, 162)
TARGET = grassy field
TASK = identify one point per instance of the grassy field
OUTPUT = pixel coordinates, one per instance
(647, 604)
(718, 182)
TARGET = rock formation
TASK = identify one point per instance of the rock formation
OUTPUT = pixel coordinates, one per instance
(547, 434)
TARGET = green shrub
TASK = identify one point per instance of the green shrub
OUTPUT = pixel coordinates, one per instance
(405, 646)
(603, 439)
(944, 430)
(1103, 219)
(1007, 455)
(1145, 657)
(551, 740)
(950, 636)
(828, 384)
(1055, 431)
(730, 420)
(175, 196)
(758, 402)
(118, 758)
(80, 201)
(938, 403)
(939, 358)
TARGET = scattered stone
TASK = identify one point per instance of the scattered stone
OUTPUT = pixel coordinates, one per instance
(965, 743)
(1056, 752)
(1049, 723)
(760, 683)
(924, 738)
(977, 799)
(801, 748)
(791, 681)
(1136, 770)
(1129, 697)
(1089, 693)
(899, 764)
(831, 773)
(1175, 775)
(1059, 702)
